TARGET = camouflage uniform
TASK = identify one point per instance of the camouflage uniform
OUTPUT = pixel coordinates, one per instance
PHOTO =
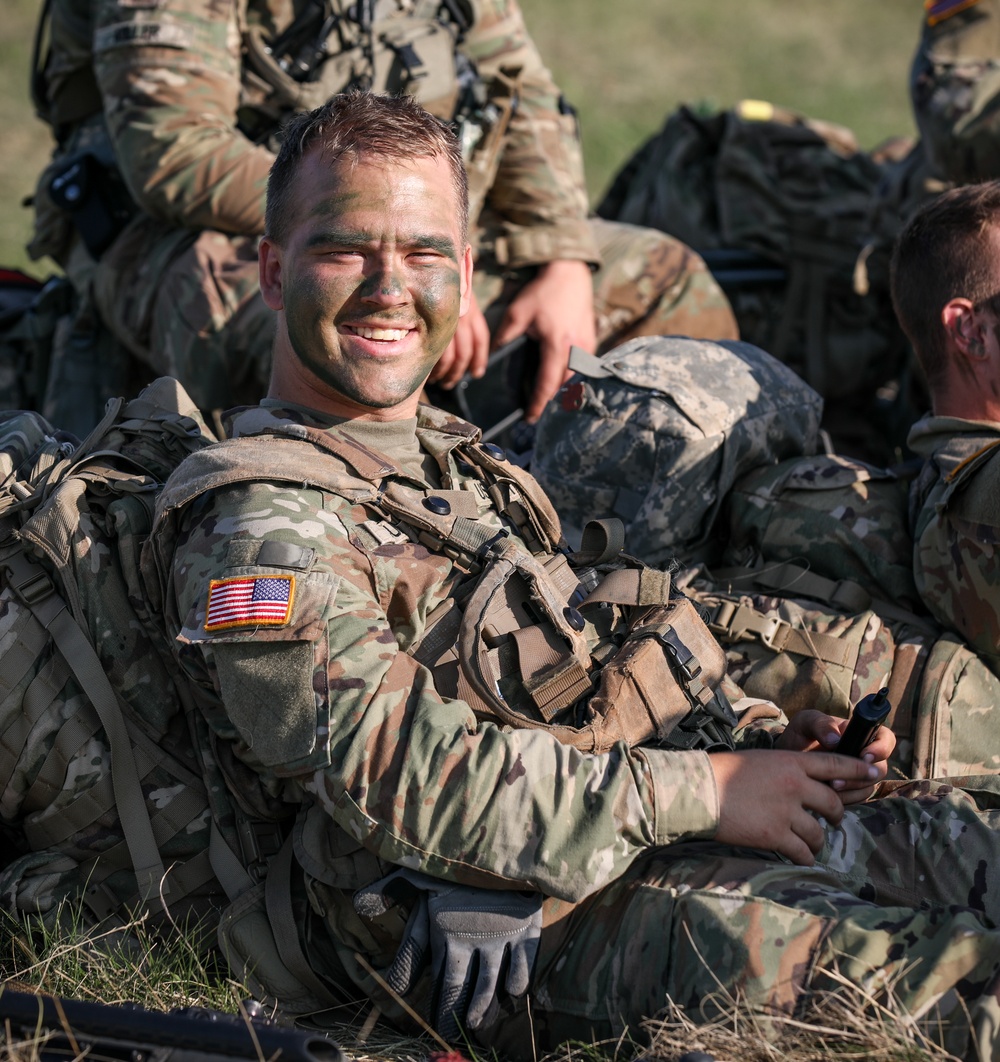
(163, 89)
(954, 84)
(330, 710)
(956, 528)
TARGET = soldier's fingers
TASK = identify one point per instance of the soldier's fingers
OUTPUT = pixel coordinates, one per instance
(480, 337)
(444, 363)
(552, 368)
(827, 766)
(796, 848)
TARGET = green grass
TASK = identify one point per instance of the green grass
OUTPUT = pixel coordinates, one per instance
(625, 65)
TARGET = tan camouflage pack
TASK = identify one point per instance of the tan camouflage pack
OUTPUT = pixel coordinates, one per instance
(802, 653)
(97, 784)
(658, 430)
(777, 204)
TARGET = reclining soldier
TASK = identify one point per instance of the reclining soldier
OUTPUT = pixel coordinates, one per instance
(513, 761)
(946, 292)
(167, 116)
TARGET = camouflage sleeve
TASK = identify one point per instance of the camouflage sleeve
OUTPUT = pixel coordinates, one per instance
(539, 191)
(955, 86)
(169, 74)
(325, 698)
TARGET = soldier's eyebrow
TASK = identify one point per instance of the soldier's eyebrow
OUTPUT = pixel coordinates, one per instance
(361, 238)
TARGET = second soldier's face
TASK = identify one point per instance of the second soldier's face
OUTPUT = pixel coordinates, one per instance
(371, 279)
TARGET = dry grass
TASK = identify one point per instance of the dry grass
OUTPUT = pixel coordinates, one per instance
(163, 974)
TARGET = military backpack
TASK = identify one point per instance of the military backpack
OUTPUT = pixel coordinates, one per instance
(777, 204)
(99, 788)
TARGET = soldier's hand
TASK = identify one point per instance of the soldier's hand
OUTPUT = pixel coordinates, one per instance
(557, 309)
(469, 350)
(812, 731)
(770, 799)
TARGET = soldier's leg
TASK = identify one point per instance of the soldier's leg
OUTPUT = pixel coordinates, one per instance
(703, 926)
(188, 305)
(651, 284)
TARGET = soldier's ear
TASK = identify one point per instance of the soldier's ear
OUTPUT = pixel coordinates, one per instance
(965, 327)
(269, 268)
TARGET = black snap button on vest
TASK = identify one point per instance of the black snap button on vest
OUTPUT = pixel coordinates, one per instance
(498, 453)
(437, 505)
(574, 619)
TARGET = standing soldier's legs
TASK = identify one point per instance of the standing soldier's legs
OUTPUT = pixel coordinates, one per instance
(188, 305)
(904, 903)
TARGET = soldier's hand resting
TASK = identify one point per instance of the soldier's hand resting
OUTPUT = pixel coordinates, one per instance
(812, 731)
(772, 799)
(557, 309)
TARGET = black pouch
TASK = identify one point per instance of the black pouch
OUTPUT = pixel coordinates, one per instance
(96, 198)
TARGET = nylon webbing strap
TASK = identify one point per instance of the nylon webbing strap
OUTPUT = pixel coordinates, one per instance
(278, 901)
(539, 653)
(232, 874)
(33, 586)
(632, 586)
(587, 364)
(844, 594)
(602, 541)
(734, 621)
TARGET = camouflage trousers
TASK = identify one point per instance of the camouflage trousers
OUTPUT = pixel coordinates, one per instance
(188, 304)
(904, 901)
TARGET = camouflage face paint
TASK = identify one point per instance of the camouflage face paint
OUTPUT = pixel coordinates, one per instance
(372, 278)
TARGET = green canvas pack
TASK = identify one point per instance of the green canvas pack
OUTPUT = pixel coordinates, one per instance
(836, 517)
(100, 792)
(802, 653)
(777, 203)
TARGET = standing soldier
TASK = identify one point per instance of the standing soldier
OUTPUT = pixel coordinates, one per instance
(167, 114)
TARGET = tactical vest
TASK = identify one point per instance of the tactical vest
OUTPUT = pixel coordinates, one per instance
(511, 638)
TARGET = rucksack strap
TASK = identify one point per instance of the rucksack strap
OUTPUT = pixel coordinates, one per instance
(33, 586)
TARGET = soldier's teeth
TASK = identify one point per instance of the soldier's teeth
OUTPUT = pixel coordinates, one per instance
(381, 333)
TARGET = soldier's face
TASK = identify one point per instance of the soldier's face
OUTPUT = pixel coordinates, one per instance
(370, 281)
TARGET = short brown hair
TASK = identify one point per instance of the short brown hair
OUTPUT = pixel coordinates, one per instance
(941, 255)
(354, 124)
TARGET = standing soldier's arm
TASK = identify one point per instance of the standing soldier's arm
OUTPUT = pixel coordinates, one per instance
(539, 191)
(169, 75)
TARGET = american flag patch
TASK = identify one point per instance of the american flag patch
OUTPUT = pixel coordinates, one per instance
(939, 10)
(256, 601)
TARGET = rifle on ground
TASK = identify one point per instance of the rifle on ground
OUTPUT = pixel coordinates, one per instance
(52, 1029)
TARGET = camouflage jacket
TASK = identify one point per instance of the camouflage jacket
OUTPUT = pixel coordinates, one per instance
(325, 704)
(955, 519)
(954, 84)
(178, 82)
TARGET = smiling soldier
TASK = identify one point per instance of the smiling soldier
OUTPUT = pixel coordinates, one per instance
(468, 746)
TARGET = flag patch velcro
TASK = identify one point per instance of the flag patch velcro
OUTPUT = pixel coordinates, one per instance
(939, 10)
(252, 601)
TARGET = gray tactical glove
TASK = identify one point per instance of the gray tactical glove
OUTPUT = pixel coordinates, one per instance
(464, 928)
